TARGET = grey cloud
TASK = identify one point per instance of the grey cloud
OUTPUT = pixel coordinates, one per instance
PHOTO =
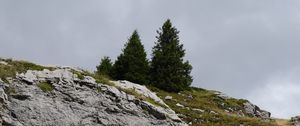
(234, 46)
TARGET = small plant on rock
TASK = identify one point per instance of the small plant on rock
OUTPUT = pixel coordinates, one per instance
(45, 86)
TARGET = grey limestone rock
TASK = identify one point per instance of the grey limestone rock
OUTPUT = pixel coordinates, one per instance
(255, 111)
(75, 102)
(168, 98)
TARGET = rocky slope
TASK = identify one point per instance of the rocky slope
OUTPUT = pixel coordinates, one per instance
(204, 107)
(60, 96)
(295, 121)
(73, 101)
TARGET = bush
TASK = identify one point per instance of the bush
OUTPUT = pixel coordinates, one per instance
(105, 67)
(45, 86)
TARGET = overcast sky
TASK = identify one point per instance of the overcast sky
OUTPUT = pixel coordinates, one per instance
(244, 48)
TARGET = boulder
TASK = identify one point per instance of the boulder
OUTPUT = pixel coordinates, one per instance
(179, 105)
(168, 98)
(62, 75)
(190, 97)
(140, 89)
(199, 110)
(255, 111)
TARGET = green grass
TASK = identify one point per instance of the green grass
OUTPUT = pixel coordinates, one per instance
(80, 75)
(209, 101)
(45, 86)
(150, 100)
(15, 66)
(7, 71)
(99, 78)
(103, 80)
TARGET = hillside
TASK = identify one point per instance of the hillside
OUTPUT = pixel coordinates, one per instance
(32, 94)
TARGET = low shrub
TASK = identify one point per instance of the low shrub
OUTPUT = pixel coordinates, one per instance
(45, 86)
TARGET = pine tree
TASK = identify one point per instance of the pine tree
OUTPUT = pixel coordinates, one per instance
(105, 66)
(132, 64)
(168, 70)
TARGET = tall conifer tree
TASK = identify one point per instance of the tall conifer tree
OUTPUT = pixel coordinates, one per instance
(168, 69)
(132, 64)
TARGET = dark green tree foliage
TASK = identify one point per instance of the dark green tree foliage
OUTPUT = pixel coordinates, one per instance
(105, 67)
(132, 64)
(168, 70)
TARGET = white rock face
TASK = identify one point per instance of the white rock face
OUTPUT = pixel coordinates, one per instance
(32, 76)
(143, 90)
(78, 102)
